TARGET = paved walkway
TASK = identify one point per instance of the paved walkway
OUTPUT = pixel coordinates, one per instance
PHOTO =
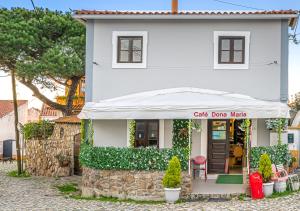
(38, 193)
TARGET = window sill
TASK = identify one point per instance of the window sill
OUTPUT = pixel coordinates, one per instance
(129, 66)
(231, 66)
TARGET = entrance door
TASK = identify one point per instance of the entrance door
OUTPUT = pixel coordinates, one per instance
(7, 149)
(218, 146)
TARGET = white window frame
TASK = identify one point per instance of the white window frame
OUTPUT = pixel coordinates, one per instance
(245, 34)
(115, 35)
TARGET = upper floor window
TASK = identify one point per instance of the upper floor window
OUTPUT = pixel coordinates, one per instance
(231, 49)
(129, 49)
(146, 133)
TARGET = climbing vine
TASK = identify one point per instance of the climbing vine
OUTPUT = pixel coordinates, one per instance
(181, 133)
(87, 131)
(132, 125)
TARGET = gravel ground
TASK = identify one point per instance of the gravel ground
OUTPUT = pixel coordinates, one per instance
(39, 193)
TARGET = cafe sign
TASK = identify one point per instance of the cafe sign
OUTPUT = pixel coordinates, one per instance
(219, 115)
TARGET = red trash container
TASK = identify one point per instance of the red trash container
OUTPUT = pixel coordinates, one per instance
(256, 186)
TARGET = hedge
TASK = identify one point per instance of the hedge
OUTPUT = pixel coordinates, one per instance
(38, 130)
(130, 158)
(279, 154)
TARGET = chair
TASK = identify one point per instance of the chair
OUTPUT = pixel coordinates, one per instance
(199, 164)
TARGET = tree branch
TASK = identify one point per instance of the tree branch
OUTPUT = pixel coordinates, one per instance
(72, 90)
(58, 81)
(42, 97)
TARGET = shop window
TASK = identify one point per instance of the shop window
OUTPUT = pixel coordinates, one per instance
(147, 133)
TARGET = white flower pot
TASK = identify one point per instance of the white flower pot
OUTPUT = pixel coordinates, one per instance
(295, 186)
(280, 186)
(268, 188)
(172, 194)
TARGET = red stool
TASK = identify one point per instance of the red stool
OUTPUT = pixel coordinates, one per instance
(198, 163)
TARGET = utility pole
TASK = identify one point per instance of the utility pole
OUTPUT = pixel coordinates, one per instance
(13, 83)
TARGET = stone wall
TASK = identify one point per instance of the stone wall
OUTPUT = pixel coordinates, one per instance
(55, 155)
(137, 185)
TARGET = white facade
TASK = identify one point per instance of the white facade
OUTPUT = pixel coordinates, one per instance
(7, 129)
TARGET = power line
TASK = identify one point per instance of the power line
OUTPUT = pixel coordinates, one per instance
(239, 5)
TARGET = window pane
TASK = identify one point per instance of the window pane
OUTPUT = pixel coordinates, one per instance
(137, 56)
(238, 44)
(137, 44)
(219, 125)
(124, 56)
(225, 44)
(224, 56)
(124, 44)
(219, 135)
(238, 56)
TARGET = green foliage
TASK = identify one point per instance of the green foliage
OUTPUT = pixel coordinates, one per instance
(87, 131)
(42, 47)
(40, 130)
(181, 133)
(265, 167)
(172, 178)
(130, 158)
(132, 125)
(41, 43)
(14, 173)
(278, 154)
(67, 188)
(116, 200)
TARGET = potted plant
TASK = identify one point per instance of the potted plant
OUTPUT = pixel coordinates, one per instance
(265, 169)
(172, 180)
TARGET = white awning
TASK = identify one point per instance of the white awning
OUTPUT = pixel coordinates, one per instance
(184, 103)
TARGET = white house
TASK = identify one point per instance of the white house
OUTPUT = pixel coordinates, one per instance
(7, 130)
(215, 68)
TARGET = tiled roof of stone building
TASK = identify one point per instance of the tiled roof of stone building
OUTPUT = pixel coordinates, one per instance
(7, 106)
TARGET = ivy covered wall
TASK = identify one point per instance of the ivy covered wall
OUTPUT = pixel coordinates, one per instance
(180, 133)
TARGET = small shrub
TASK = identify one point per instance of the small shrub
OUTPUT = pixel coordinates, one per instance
(40, 130)
(265, 168)
(172, 178)
(14, 173)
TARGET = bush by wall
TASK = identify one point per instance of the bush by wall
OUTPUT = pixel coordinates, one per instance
(130, 158)
(40, 130)
(279, 154)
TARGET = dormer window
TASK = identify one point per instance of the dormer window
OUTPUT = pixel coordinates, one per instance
(129, 49)
(231, 49)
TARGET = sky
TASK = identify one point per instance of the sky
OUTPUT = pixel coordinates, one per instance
(68, 5)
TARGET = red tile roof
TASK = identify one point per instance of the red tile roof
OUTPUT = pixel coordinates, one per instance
(48, 111)
(7, 106)
(109, 12)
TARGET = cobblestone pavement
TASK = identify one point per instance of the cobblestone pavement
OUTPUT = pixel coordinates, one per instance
(39, 193)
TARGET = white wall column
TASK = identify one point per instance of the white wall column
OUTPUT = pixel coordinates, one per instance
(161, 133)
(254, 133)
(204, 137)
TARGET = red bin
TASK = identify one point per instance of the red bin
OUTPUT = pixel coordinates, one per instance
(256, 186)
